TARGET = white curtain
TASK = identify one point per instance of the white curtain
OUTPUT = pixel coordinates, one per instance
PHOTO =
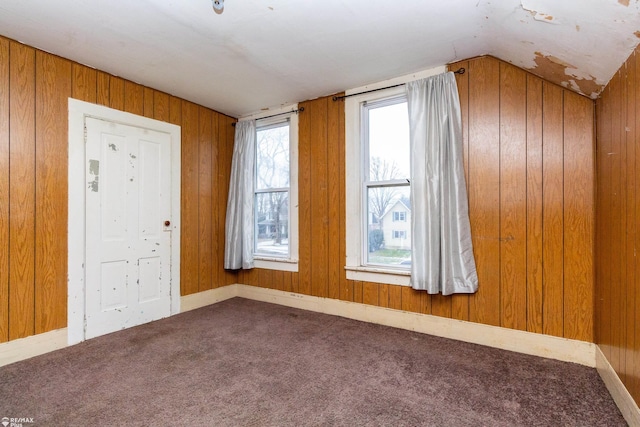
(442, 253)
(238, 243)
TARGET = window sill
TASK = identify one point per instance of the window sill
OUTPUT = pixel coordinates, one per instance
(282, 264)
(379, 275)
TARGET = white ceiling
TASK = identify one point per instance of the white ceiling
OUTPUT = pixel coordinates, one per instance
(267, 53)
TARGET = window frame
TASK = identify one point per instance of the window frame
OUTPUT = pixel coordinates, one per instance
(399, 234)
(368, 184)
(401, 216)
(355, 269)
(289, 262)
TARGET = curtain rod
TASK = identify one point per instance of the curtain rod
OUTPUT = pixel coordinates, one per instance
(299, 110)
(339, 98)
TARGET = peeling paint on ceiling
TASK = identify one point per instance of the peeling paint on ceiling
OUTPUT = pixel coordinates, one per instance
(562, 73)
(259, 55)
(588, 43)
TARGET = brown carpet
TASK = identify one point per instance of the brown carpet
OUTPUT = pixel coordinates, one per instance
(246, 363)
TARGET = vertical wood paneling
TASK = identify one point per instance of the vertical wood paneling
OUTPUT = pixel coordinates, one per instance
(632, 228)
(161, 106)
(357, 291)
(4, 189)
(304, 198)
(116, 93)
(604, 215)
(618, 230)
(440, 305)
(415, 301)
(277, 278)
(102, 90)
(346, 289)
(634, 348)
(383, 299)
(295, 282)
(250, 277)
(553, 204)
(460, 302)
(622, 319)
(205, 169)
(214, 259)
(484, 187)
(147, 102)
(335, 132)
(84, 81)
(189, 217)
(286, 282)
(133, 98)
(370, 293)
(395, 296)
(617, 235)
(534, 204)
(578, 218)
(265, 278)
(53, 88)
(319, 198)
(175, 109)
(22, 204)
(513, 197)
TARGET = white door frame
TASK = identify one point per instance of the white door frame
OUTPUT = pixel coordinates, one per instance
(78, 111)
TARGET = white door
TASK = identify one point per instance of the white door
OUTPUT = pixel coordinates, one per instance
(128, 230)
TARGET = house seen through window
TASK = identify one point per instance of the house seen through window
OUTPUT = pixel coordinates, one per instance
(386, 186)
(272, 188)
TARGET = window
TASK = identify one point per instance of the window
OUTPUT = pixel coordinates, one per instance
(399, 234)
(378, 205)
(385, 178)
(399, 216)
(272, 190)
(275, 221)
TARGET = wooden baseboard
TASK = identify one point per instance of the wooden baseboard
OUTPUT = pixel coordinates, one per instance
(507, 339)
(35, 345)
(618, 391)
(202, 299)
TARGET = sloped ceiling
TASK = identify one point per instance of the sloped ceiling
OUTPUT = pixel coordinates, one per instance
(259, 54)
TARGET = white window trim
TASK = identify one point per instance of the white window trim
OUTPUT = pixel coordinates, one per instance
(353, 170)
(291, 263)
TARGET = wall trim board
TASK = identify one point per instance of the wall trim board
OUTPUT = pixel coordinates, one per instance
(34, 345)
(617, 389)
(205, 298)
(551, 347)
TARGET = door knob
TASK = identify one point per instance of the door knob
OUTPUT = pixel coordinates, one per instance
(167, 223)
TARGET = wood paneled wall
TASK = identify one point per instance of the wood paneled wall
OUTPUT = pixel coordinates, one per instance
(530, 167)
(617, 286)
(34, 91)
(528, 148)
